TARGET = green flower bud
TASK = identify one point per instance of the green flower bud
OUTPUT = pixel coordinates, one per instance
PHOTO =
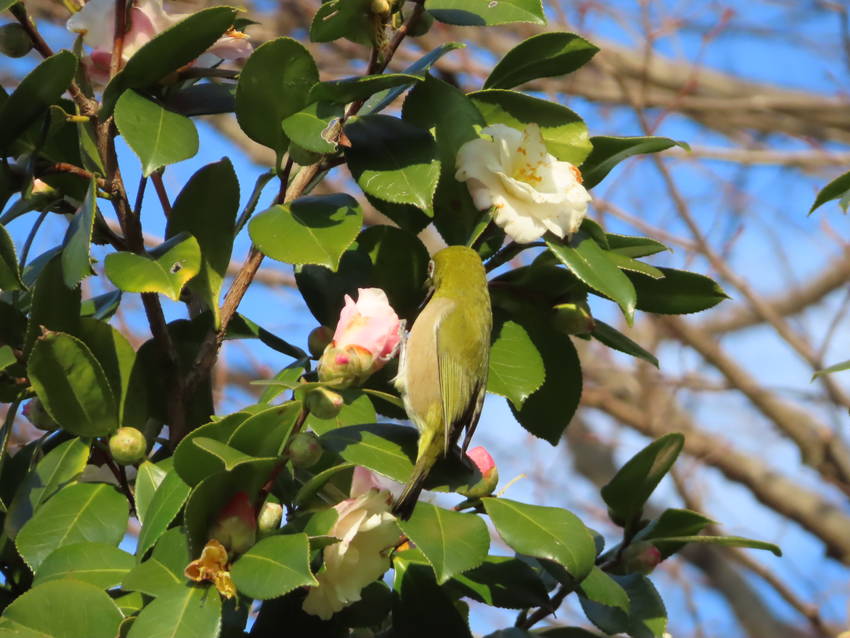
(127, 446)
(305, 450)
(15, 42)
(641, 558)
(269, 519)
(489, 474)
(235, 526)
(324, 403)
(38, 416)
(318, 340)
(574, 318)
(422, 25)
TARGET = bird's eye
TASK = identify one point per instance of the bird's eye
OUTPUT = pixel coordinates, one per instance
(430, 269)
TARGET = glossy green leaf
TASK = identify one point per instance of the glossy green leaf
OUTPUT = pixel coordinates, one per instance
(241, 327)
(309, 230)
(836, 189)
(615, 339)
(148, 479)
(633, 484)
(184, 610)
(168, 51)
(34, 94)
(587, 261)
(314, 127)
(62, 609)
(156, 135)
(393, 160)
(101, 307)
(99, 564)
(452, 542)
(604, 590)
(633, 246)
(272, 86)
(194, 464)
(675, 522)
(646, 616)
(266, 432)
(7, 357)
(385, 448)
(357, 409)
(58, 468)
(342, 19)
(10, 274)
(633, 265)
(501, 581)
(76, 262)
(516, 367)
(165, 270)
(469, 13)
(164, 507)
(358, 88)
(206, 209)
(836, 367)
(726, 541)
(544, 532)
(164, 569)
(680, 292)
(610, 151)
(563, 131)
(307, 491)
(274, 567)
(94, 512)
(72, 386)
(54, 306)
(540, 56)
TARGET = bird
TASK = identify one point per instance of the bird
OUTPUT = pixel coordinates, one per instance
(442, 373)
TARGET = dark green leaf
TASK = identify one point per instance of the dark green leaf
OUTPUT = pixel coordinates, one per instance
(309, 230)
(836, 189)
(76, 262)
(646, 617)
(148, 479)
(634, 246)
(266, 432)
(540, 56)
(358, 88)
(314, 127)
(726, 541)
(167, 501)
(604, 590)
(184, 610)
(194, 464)
(324, 290)
(99, 564)
(679, 292)
(615, 339)
(356, 410)
(483, 12)
(610, 151)
(54, 306)
(675, 522)
(516, 367)
(274, 567)
(156, 135)
(102, 306)
(633, 265)
(501, 582)
(164, 569)
(385, 448)
(7, 357)
(343, 19)
(240, 327)
(10, 274)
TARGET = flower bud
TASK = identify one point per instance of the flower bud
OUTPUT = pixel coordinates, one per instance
(38, 416)
(127, 446)
(15, 42)
(318, 340)
(236, 525)
(269, 519)
(324, 403)
(305, 450)
(574, 318)
(641, 558)
(489, 474)
(344, 367)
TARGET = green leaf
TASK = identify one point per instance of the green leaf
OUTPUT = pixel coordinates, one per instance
(148, 479)
(610, 151)
(241, 327)
(615, 339)
(483, 12)
(324, 290)
(272, 86)
(99, 564)
(343, 19)
(156, 135)
(274, 567)
(564, 132)
(393, 160)
(383, 447)
(62, 609)
(452, 542)
(358, 88)
(632, 485)
(634, 246)
(501, 581)
(206, 208)
(836, 189)
(544, 532)
(166, 270)
(7, 357)
(184, 610)
(194, 464)
(76, 262)
(568, 632)
(727, 541)
(164, 507)
(94, 512)
(164, 569)
(314, 127)
(837, 367)
(646, 617)
(309, 230)
(604, 590)
(54, 306)
(675, 522)
(633, 265)
(540, 56)
(42, 87)
(72, 385)
(101, 307)
(516, 367)
(10, 274)
(168, 51)
(229, 457)
(680, 292)
(58, 468)
(310, 488)
(587, 261)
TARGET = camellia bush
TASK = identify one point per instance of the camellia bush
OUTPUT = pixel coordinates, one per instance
(278, 519)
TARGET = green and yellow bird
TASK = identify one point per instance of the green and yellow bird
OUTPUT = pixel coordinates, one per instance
(442, 374)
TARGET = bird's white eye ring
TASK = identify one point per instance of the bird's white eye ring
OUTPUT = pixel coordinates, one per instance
(431, 268)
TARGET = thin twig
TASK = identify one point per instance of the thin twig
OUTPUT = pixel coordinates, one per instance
(118, 37)
(159, 186)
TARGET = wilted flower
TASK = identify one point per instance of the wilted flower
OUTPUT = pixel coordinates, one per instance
(96, 23)
(212, 566)
(529, 190)
(489, 473)
(366, 530)
(366, 337)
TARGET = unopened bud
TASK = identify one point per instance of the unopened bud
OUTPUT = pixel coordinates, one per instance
(344, 367)
(236, 525)
(38, 416)
(305, 450)
(641, 558)
(15, 42)
(489, 474)
(574, 318)
(318, 340)
(381, 7)
(270, 516)
(127, 446)
(324, 403)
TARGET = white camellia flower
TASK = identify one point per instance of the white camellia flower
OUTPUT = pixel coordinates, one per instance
(529, 190)
(366, 530)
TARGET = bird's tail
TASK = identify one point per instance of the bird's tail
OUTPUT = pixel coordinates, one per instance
(408, 498)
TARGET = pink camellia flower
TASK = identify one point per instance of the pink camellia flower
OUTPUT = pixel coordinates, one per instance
(366, 337)
(489, 473)
(96, 23)
(365, 529)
